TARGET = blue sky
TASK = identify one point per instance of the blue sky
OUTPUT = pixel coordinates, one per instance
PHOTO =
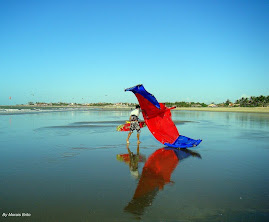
(90, 51)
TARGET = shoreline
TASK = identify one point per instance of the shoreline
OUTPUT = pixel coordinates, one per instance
(226, 109)
(201, 109)
(20, 108)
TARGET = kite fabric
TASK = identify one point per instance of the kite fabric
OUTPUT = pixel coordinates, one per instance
(158, 119)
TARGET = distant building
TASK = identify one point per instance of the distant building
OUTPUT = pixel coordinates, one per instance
(41, 104)
(212, 105)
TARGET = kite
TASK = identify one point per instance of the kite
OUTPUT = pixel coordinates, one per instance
(126, 126)
(159, 122)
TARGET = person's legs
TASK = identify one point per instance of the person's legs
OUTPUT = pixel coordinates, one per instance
(137, 149)
(138, 135)
(129, 134)
(138, 130)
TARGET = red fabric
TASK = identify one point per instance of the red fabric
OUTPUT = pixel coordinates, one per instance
(156, 172)
(124, 157)
(126, 127)
(158, 121)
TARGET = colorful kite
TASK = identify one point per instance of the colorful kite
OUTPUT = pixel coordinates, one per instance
(158, 119)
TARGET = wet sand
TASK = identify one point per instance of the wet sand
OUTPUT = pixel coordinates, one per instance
(75, 166)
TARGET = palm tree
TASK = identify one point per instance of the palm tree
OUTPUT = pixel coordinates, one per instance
(227, 102)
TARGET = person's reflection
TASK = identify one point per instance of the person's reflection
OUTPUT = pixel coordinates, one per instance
(132, 160)
(156, 173)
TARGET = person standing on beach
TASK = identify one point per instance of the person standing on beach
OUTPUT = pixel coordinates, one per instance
(134, 124)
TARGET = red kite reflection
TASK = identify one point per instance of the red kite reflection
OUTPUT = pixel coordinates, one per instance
(156, 174)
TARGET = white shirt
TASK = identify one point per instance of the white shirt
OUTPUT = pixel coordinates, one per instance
(135, 112)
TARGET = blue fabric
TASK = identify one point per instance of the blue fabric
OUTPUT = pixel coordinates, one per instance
(184, 142)
(141, 90)
(181, 154)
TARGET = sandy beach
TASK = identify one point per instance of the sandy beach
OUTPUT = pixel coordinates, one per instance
(12, 109)
(52, 145)
(207, 109)
(227, 109)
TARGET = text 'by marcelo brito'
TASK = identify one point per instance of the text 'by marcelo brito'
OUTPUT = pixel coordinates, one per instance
(16, 215)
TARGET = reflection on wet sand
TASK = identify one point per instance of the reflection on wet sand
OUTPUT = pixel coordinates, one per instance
(156, 173)
(132, 160)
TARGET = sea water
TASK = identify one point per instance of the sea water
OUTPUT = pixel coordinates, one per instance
(74, 166)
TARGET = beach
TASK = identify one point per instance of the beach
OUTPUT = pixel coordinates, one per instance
(227, 109)
(76, 161)
(27, 108)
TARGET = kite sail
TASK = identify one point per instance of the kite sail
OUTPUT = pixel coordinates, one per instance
(158, 119)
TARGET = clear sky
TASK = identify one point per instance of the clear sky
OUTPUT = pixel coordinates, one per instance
(90, 51)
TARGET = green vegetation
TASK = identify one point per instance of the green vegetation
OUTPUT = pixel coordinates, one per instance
(253, 101)
(260, 101)
(228, 102)
(56, 104)
(185, 104)
(100, 104)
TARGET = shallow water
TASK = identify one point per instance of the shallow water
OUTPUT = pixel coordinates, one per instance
(75, 166)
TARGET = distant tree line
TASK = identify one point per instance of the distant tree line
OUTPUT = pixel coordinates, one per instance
(101, 104)
(52, 104)
(253, 101)
(185, 104)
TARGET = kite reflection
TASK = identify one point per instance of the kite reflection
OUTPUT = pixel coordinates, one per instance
(156, 173)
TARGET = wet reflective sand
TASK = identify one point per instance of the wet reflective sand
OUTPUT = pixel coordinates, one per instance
(75, 166)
